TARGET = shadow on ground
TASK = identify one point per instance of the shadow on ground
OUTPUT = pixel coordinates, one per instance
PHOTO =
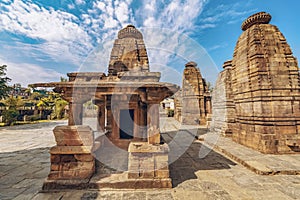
(184, 159)
(23, 172)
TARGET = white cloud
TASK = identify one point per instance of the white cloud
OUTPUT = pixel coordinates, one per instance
(57, 30)
(71, 6)
(230, 13)
(100, 5)
(178, 15)
(25, 73)
(79, 2)
(122, 12)
(205, 26)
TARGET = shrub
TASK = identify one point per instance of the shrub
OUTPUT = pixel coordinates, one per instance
(10, 116)
(33, 118)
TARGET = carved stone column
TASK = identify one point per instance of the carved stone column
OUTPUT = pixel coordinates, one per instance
(101, 114)
(153, 133)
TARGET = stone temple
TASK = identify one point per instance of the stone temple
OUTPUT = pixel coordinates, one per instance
(193, 101)
(128, 101)
(256, 98)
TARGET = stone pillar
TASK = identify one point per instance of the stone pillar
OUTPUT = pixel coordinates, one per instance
(153, 133)
(143, 121)
(148, 165)
(75, 113)
(101, 115)
(143, 115)
(108, 112)
(72, 163)
(202, 110)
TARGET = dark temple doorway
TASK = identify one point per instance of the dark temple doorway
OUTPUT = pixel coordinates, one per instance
(126, 124)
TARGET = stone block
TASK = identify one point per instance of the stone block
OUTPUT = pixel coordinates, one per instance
(67, 158)
(84, 157)
(146, 174)
(71, 150)
(133, 175)
(54, 158)
(73, 136)
(148, 161)
(162, 173)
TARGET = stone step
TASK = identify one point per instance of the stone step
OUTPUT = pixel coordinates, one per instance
(120, 181)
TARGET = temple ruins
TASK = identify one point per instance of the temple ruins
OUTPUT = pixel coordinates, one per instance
(256, 98)
(128, 101)
(193, 101)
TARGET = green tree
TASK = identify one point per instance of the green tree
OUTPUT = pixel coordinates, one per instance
(209, 86)
(11, 114)
(59, 107)
(4, 88)
(62, 79)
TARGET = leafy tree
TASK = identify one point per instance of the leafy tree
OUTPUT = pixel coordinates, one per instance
(4, 88)
(36, 96)
(11, 114)
(62, 79)
(59, 107)
(209, 86)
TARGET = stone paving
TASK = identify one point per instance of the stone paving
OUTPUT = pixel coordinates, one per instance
(197, 171)
(264, 164)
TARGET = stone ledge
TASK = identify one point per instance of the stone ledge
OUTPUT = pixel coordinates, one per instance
(120, 181)
(52, 185)
(262, 164)
(71, 150)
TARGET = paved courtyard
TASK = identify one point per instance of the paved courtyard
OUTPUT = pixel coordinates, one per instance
(197, 171)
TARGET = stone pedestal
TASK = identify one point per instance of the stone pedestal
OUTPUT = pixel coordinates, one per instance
(72, 163)
(149, 163)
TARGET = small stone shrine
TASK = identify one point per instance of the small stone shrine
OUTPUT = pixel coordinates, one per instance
(257, 96)
(193, 102)
(128, 101)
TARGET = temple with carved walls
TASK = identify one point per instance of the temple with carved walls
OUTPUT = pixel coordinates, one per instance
(128, 99)
(257, 96)
(193, 101)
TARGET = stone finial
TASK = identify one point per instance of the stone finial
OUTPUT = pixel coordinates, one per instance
(227, 64)
(258, 18)
(191, 64)
(130, 32)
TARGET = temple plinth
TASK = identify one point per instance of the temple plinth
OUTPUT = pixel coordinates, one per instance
(128, 101)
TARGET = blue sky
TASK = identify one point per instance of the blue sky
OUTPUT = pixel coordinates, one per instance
(43, 40)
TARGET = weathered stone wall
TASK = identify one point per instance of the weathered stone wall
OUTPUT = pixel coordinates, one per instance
(223, 114)
(178, 105)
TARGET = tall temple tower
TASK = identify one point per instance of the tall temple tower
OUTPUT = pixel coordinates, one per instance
(265, 90)
(129, 52)
(195, 96)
